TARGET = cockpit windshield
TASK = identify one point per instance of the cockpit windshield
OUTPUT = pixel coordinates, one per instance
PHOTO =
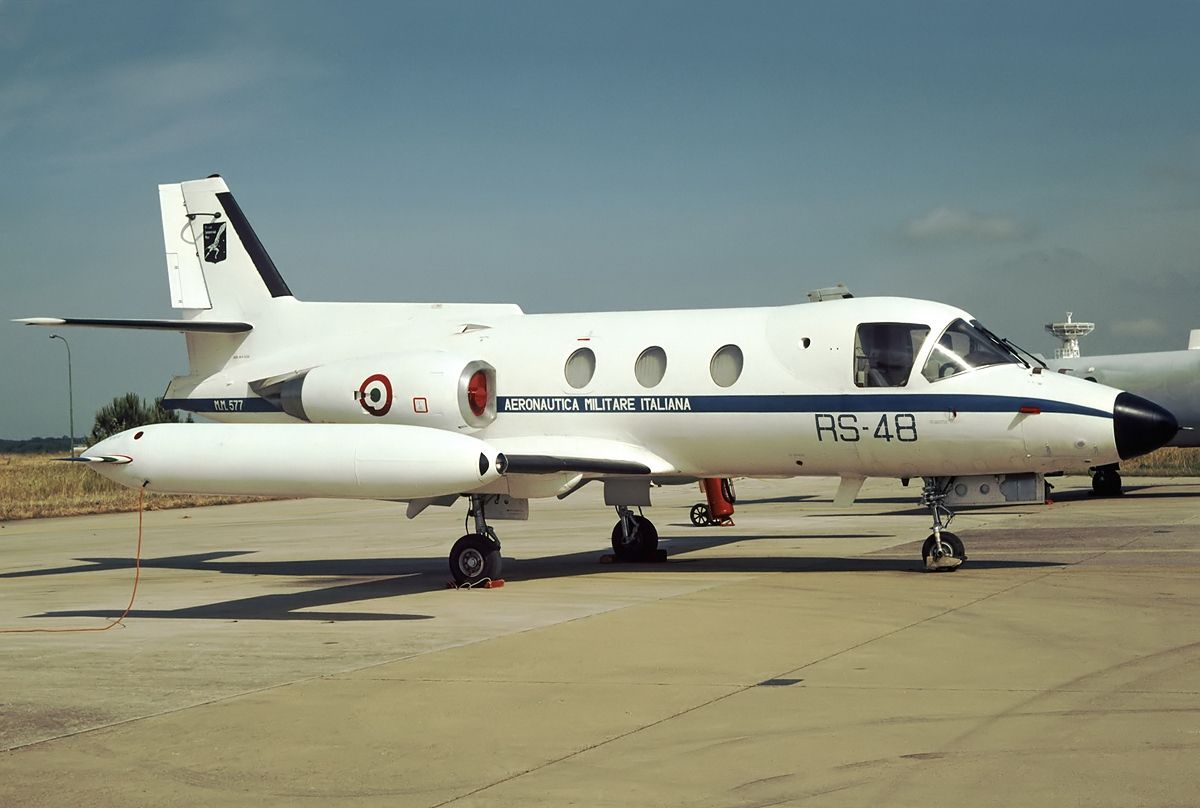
(965, 346)
(884, 353)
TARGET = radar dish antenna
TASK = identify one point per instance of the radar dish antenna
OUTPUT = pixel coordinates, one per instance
(1069, 333)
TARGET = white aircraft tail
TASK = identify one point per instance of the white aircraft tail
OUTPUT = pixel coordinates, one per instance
(219, 274)
(217, 267)
(233, 300)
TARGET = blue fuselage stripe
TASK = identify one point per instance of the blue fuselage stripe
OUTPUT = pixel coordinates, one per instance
(252, 404)
(835, 402)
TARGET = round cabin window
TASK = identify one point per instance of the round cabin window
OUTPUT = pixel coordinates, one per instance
(726, 365)
(650, 366)
(580, 367)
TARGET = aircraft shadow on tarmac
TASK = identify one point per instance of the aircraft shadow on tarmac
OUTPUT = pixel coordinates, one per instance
(1137, 491)
(276, 606)
(775, 500)
(393, 577)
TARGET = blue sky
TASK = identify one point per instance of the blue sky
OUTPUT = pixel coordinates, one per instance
(1016, 159)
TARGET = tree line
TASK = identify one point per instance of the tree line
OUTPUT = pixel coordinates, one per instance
(123, 412)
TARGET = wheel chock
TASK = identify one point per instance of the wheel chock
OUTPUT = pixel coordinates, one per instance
(486, 583)
(946, 563)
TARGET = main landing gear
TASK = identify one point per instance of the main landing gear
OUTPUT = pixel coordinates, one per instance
(634, 537)
(942, 550)
(475, 558)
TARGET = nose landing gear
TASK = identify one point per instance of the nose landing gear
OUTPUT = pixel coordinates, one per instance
(1106, 481)
(942, 551)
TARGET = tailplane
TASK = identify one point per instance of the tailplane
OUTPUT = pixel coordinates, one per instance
(219, 273)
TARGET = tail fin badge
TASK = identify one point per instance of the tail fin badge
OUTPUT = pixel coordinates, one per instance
(375, 395)
(214, 241)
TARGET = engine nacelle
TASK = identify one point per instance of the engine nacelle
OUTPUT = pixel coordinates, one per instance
(437, 390)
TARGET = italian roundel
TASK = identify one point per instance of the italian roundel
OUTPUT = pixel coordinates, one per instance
(375, 395)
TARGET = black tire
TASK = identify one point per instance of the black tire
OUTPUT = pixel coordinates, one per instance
(699, 515)
(640, 546)
(950, 541)
(1106, 483)
(727, 491)
(473, 559)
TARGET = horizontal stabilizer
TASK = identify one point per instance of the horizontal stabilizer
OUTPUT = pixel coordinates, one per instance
(184, 326)
(548, 464)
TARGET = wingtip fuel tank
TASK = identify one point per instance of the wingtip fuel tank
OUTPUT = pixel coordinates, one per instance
(370, 461)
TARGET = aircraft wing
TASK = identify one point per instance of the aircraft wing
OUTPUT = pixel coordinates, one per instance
(183, 326)
(594, 457)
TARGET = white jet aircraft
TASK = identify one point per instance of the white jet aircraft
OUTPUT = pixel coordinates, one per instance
(426, 403)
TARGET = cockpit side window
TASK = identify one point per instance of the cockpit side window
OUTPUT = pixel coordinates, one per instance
(884, 353)
(963, 347)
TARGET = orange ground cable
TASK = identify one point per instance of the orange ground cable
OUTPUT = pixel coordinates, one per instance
(137, 574)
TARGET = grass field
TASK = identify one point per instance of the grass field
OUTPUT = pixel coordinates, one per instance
(1168, 462)
(33, 486)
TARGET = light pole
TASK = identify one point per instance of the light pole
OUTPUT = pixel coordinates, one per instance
(70, 390)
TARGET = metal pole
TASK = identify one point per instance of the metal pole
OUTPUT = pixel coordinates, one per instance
(70, 391)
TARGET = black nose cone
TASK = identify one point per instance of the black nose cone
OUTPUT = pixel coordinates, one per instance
(1140, 426)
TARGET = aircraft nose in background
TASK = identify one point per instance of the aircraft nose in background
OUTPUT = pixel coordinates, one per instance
(1140, 425)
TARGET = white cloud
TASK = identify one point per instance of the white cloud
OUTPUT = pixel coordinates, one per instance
(952, 224)
(1146, 328)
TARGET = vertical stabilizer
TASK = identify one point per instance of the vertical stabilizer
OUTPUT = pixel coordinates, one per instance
(216, 265)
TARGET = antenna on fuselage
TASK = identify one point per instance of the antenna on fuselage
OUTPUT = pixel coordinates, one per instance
(829, 293)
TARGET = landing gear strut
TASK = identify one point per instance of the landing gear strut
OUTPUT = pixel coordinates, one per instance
(634, 538)
(942, 550)
(475, 558)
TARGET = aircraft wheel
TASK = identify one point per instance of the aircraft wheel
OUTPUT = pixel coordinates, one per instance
(641, 544)
(951, 542)
(1106, 483)
(699, 514)
(474, 558)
